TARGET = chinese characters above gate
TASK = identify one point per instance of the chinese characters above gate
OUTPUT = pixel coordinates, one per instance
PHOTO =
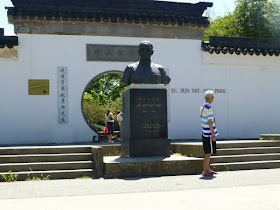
(123, 53)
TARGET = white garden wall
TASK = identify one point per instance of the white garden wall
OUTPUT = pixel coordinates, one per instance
(247, 109)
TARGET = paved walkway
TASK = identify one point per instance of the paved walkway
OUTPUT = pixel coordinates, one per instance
(255, 189)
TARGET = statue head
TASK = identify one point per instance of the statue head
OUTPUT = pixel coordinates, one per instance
(145, 50)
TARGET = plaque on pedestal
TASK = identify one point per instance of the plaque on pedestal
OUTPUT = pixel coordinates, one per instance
(145, 121)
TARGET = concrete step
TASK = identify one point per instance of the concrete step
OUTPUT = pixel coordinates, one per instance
(44, 150)
(245, 158)
(120, 167)
(248, 150)
(30, 158)
(246, 165)
(271, 136)
(247, 143)
(55, 174)
(44, 166)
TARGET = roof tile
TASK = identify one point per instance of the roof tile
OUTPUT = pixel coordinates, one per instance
(121, 11)
(245, 46)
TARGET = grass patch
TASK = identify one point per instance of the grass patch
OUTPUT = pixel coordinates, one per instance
(36, 176)
(84, 177)
(11, 177)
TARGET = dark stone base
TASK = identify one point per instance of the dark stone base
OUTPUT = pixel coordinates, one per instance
(121, 167)
(145, 132)
(145, 147)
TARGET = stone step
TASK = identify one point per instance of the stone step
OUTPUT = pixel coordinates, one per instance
(247, 143)
(30, 158)
(245, 158)
(45, 166)
(120, 167)
(248, 150)
(246, 165)
(44, 150)
(54, 174)
(270, 136)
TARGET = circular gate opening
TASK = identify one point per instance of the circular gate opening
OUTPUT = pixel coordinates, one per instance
(101, 93)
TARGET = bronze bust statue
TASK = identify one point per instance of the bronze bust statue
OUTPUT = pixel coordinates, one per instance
(144, 71)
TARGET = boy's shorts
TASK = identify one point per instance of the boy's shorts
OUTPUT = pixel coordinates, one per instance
(209, 145)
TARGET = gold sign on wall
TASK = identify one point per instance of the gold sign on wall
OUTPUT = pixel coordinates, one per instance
(38, 87)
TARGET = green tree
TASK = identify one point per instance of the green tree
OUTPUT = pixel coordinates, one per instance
(103, 92)
(104, 89)
(222, 26)
(251, 18)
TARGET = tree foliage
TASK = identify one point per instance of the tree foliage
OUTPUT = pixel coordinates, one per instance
(251, 18)
(103, 92)
(104, 89)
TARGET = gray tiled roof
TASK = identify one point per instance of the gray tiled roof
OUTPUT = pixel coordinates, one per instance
(250, 46)
(7, 41)
(114, 11)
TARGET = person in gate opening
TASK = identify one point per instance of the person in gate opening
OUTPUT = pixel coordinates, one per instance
(120, 120)
(209, 131)
(109, 122)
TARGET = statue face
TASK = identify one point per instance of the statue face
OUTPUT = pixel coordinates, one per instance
(145, 51)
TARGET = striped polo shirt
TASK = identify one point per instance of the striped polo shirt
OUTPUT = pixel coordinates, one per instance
(207, 113)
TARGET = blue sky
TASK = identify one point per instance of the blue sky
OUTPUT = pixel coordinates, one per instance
(220, 8)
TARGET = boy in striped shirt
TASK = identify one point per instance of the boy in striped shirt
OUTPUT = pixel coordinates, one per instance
(209, 131)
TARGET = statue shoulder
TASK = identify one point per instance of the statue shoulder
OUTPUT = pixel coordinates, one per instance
(132, 65)
(158, 66)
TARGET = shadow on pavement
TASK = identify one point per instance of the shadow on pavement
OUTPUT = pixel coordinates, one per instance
(207, 177)
(138, 178)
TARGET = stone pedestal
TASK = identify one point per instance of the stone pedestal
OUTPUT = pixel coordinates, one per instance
(145, 121)
(119, 167)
